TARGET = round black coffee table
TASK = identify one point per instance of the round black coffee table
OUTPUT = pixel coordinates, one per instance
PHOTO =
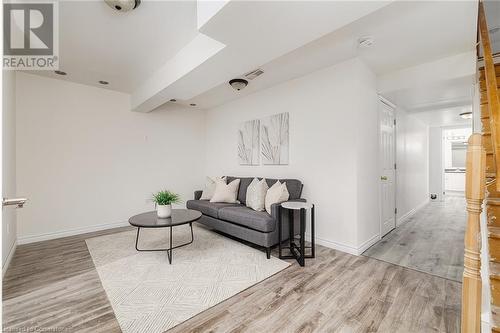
(151, 220)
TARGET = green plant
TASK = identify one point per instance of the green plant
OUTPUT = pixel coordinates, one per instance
(166, 198)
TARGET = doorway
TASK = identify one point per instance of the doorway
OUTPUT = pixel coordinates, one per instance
(387, 148)
(453, 159)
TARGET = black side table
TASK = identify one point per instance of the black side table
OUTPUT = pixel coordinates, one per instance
(297, 252)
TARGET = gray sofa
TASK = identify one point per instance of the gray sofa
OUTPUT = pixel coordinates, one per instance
(245, 223)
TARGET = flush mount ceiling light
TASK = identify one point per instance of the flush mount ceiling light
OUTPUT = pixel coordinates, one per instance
(365, 42)
(60, 72)
(123, 5)
(103, 82)
(238, 84)
(466, 115)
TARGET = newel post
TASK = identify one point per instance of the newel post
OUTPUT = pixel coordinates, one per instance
(474, 194)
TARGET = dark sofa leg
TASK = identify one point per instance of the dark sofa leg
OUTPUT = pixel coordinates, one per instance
(268, 252)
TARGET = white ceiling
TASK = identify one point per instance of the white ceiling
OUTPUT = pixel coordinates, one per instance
(253, 33)
(158, 52)
(434, 95)
(99, 43)
(444, 117)
(406, 33)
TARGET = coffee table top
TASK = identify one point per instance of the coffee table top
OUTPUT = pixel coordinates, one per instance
(151, 220)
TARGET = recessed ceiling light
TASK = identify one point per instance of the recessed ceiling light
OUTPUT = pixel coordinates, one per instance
(173, 100)
(103, 82)
(192, 104)
(466, 115)
(365, 42)
(60, 72)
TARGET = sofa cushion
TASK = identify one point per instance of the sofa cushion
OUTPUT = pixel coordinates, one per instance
(248, 217)
(208, 208)
(276, 194)
(226, 192)
(210, 184)
(242, 191)
(294, 186)
(256, 195)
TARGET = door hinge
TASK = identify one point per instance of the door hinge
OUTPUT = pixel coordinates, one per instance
(394, 166)
(394, 122)
(395, 210)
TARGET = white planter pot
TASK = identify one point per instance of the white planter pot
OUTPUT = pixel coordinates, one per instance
(164, 211)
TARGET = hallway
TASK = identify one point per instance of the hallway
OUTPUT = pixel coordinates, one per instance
(431, 241)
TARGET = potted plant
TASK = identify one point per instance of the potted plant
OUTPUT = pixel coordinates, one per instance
(164, 201)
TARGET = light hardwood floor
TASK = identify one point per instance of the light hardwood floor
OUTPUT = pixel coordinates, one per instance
(431, 241)
(54, 284)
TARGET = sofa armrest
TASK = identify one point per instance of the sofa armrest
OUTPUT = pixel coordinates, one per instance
(275, 207)
(197, 195)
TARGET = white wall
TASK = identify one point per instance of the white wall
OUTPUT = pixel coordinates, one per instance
(85, 161)
(366, 128)
(412, 159)
(333, 147)
(8, 164)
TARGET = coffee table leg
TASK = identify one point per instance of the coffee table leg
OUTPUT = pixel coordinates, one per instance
(137, 238)
(170, 246)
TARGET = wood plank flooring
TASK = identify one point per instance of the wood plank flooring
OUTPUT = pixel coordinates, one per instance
(432, 241)
(54, 285)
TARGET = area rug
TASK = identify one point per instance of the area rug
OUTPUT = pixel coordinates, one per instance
(149, 295)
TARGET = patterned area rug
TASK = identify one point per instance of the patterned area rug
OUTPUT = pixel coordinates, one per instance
(149, 295)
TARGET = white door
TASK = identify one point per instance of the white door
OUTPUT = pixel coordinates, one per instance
(388, 168)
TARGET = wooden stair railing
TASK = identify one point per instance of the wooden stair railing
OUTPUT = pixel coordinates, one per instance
(490, 101)
(474, 194)
(483, 182)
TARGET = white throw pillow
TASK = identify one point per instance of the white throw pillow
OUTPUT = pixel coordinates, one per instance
(256, 194)
(208, 191)
(276, 194)
(226, 192)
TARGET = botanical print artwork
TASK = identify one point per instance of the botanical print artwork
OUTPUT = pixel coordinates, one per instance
(248, 142)
(274, 139)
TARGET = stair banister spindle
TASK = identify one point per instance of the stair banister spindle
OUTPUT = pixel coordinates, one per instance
(474, 194)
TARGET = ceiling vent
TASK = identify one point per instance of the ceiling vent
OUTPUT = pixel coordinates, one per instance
(253, 74)
(365, 42)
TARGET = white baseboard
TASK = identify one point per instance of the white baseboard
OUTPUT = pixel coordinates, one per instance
(486, 322)
(68, 232)
(346, 248)
(12, 250)
(366, 245)
(406, 217)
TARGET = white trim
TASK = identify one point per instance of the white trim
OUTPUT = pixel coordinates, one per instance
(485, 322)
(366, 245)
(12, 250)
(412, 212)
(69, 232)
(346, 248)
(386, 101)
